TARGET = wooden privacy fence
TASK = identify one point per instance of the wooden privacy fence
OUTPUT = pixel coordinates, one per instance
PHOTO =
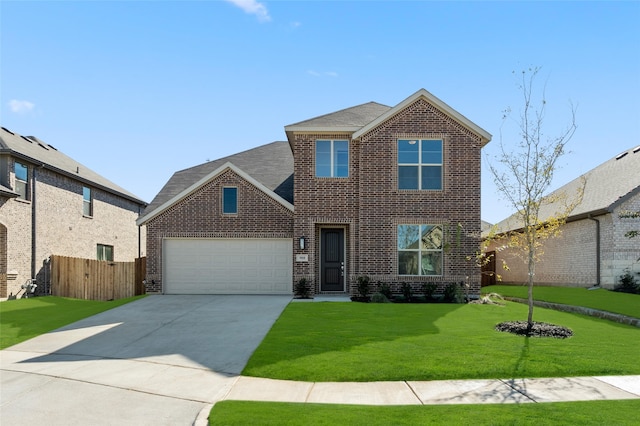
(96, 279)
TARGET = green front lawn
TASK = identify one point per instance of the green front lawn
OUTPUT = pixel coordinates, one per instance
(376, 342)
(562, 413)
(601, 299)
(23, 319)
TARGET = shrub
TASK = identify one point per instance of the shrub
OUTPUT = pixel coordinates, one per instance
(407, 292)
(453, 293)
(627, 283)
(363, 285)
(301, 289)
(383, 288)
(428, 289)
(379, 298)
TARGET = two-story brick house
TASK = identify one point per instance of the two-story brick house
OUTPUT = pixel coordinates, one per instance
(52, 205)
(388, 192)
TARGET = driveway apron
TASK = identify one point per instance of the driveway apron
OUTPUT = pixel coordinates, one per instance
(156, 361)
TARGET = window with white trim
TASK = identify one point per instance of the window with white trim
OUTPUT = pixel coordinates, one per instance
(332, 158)
(230, 200)
(105, 252)
(420, 164)
(22, 180)
(420, 249)
(87, 202)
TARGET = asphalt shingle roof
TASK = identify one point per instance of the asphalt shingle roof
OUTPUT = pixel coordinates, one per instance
(35, 151)
(357, 116)
(270, 164)
(604, 186)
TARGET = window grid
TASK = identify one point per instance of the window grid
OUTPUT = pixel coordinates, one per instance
(421, 173)
(22, 180)
(420, 250)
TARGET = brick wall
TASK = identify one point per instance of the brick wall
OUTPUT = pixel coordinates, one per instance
(369, 205)
(199, 215)
(61, 227)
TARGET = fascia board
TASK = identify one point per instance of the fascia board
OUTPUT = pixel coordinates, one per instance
(441, 105)
(321, 129)
(191, 189)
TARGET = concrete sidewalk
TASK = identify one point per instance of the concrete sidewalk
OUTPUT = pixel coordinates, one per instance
(491, 391)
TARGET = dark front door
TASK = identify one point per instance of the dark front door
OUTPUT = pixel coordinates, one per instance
(332, 260)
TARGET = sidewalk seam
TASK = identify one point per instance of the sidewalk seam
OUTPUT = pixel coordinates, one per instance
(414, 392)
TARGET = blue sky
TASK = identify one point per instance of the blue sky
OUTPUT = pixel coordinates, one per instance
(137, 90)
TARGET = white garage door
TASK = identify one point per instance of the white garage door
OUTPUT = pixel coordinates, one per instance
(228, 266)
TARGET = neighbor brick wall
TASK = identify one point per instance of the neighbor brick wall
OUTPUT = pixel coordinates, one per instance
(61, 227)
(369, 205)
(200, 215)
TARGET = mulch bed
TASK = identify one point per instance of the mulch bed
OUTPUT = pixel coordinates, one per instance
(539, 329)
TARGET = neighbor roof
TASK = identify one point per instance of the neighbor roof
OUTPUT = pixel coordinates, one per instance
(605, 186)
(271, 165)
(33, 150)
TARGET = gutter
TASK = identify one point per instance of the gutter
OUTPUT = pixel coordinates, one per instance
(597, 248)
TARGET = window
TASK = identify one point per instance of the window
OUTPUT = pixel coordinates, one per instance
(105, 252)
(229, 200)
(332, 158)
(87, 202)
(420, 249)
(420, 164)
(22, 180)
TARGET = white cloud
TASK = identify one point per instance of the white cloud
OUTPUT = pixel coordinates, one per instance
(296, 24)
(21, 107)
(253, 7)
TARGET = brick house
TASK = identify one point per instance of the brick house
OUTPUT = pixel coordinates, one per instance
(53, 205)
(592, 248)
(388, 192)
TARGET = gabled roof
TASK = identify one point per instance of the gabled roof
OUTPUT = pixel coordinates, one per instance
(268, 167)
(605, 187)
(360, 119)
(32, 150)
(346, 120)
(423, 94)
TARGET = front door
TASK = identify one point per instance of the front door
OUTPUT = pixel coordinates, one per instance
(332, 259)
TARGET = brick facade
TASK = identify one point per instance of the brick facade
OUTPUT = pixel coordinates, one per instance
(571, 259)
(199, 215)
(369, 206)
(61, 228)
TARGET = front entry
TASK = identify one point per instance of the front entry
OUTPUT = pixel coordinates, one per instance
(332, 259)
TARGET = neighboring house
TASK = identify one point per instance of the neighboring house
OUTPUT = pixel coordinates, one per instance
(388, 192)
(53, 205)
(592, 248)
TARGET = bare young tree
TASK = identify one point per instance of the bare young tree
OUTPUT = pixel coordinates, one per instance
(524, 172)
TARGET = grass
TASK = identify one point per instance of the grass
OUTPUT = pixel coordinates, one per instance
(378, 342)
(601, 299)
(23, 319)
(621, 413)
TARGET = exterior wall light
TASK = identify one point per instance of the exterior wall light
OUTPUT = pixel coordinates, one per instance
(301, 243)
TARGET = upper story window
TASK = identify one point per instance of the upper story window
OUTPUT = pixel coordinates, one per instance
(22, 180)
(420, 164)
(420, 249)
(87, 201)
(105, 252)
(332, 158)
(229, 200)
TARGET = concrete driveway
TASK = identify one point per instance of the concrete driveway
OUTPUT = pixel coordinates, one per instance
(157, 361)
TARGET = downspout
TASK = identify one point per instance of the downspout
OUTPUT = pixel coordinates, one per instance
(33, 222)
(597, 249)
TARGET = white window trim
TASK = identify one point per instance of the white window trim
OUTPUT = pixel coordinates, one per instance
(420, 164)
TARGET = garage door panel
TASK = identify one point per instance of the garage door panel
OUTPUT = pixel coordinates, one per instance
(228, 266)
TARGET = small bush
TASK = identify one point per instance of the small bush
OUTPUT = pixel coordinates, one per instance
(407, 292)
(452, 293)
(428, 289)
(363, 285)
(383, 288)
(379, 298)
(627, 283)
(301, 289)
